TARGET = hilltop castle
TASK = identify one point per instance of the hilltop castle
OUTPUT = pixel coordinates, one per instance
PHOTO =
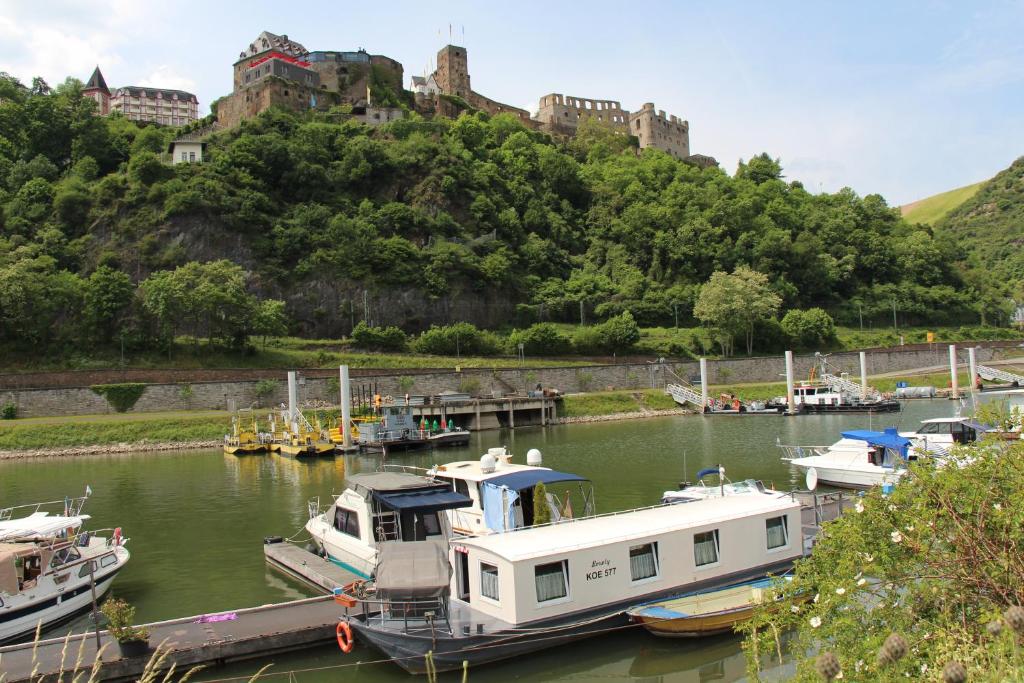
(277, 71)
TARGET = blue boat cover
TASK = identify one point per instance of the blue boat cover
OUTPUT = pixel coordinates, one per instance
(427, 500)
(524, 479)
(887, 439)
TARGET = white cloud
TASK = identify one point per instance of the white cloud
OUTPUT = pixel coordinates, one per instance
(165, 76)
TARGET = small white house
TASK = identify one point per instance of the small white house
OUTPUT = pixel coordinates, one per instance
(186, 151)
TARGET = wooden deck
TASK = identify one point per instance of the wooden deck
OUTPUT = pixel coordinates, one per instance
(205, 639)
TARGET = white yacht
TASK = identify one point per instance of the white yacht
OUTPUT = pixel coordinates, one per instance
(937, 436)
(861, 459)
(469, 497)
(48, 567)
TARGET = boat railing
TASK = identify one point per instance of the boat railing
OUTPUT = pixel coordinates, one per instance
(313, 506)
(421, 613)
(72, 507)
(792, 452)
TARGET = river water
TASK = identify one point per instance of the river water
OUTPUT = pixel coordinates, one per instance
(196, 520)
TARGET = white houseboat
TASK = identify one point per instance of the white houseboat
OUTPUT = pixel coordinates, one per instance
(48, 567)
(489, 495)
(540, 587)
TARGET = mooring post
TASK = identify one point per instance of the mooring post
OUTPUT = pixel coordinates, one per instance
(863, 375)
(790, 398)
(95, 606)
(703, 384)
(346, 407)
(511, 416)
(953, 379)
(972, 360)
(293, 401)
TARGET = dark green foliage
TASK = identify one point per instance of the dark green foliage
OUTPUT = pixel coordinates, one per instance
(541, 339)
(479, 209)
(121, 397)
(457, 339)
(378, 338)
(9, 411)
(810, 328)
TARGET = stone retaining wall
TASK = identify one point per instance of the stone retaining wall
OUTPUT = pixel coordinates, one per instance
(478, 382)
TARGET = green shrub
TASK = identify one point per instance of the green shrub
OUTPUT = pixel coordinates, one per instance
(614, 335)
(810, 328)
(121, 397)
(9, 411)
(457, 339)
(542, 339)
(379, 338)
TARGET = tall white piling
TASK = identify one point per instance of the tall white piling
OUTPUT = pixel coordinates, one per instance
(972, 359)
(953, 381)
(863, 375)
(790, 398)
(346, 407)
(293, 401)
(703, 384)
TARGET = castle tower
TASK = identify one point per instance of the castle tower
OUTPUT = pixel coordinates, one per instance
(452, 75)
(654, 129)
(97, 90)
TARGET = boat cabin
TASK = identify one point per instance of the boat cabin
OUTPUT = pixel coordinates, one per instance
(540, 573)
(950, 430)
(884, 449)
(503, 492)
(377, 507)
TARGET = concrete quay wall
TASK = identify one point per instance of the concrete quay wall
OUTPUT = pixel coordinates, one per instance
(487, 383)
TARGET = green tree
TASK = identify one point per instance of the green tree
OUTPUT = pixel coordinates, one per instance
(270, 320)
(541, 339)
(108, 295)
(732, 304)
(809, 328)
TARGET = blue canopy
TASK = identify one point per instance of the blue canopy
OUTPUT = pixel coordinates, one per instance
(524, 479)
(427, 500)
(887, 439)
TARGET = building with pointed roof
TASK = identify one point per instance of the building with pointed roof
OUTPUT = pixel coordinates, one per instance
(96, 89)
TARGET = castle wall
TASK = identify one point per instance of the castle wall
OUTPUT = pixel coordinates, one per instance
(269, 92)
(667, 133)
(563, 113)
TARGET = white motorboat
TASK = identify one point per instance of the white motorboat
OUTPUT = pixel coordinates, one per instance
(937, 436)
(483, 496)
(861, 459)
(48, 568)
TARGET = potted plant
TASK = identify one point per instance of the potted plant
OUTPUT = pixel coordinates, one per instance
(133, 641)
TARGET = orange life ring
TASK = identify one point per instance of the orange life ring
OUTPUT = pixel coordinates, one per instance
(345, 640)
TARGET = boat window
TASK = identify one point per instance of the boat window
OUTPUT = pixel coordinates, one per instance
(108, 560)
(84, 571)
(705, 548)
(777, 531)
(643, 561)
(551, 580)
(489, 581)
(346, 521)
(64, 555)
(431, 525)
(462, 486)
(930, 428)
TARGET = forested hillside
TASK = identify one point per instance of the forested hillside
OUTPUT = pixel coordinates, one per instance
(417, 222)
(989, 228)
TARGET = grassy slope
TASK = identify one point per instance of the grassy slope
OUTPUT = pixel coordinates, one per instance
(18, 434)
(931, 209)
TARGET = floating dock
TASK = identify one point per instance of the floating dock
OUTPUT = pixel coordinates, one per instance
(204, 639)
(303, 565)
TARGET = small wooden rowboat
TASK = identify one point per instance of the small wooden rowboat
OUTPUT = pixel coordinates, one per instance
(703, 614)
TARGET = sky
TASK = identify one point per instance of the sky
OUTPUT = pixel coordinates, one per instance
(904, 99)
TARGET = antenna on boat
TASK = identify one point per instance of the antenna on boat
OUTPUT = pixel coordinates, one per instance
(685, 482)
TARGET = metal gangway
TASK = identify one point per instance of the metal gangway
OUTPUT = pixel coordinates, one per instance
(842, 385)
(684, 393)
(991, 374)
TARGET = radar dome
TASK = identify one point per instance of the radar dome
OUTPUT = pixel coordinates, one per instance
(533, 457)
(487, 463)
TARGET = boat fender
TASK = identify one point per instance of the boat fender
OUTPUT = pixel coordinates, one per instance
(345, 640)
(270, 540)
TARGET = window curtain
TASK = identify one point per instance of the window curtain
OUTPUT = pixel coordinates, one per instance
(776, 532)
(489, 583)
(705, 549)
(641, 563)
(550, 585)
